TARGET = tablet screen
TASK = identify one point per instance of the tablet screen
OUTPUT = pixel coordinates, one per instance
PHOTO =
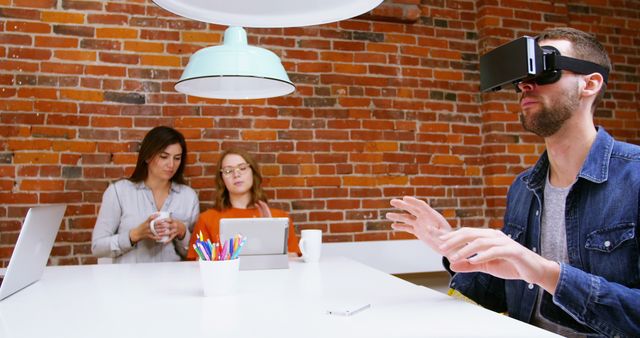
(265, 235)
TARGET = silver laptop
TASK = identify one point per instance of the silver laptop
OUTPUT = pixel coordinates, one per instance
(266, 246)
(32, 249)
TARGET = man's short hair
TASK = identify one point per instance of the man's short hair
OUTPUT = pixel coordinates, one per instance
(584, 47)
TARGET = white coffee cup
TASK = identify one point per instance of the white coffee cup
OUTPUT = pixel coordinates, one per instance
(310, 245)
(162, 216)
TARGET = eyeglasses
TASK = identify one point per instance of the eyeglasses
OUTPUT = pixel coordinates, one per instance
(241, 169)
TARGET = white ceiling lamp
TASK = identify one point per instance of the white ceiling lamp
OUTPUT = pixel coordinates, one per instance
(234, 70)
(268, 13)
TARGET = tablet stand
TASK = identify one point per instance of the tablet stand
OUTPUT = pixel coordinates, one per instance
(264, 262)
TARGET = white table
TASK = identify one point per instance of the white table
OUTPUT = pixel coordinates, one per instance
(166, 300)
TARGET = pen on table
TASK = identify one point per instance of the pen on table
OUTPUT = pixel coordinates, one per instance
(364, 307)
(348, 312)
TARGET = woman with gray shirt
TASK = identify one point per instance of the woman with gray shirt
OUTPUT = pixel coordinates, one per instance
(122, 229)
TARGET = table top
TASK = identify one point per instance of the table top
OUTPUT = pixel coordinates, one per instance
(167, 300)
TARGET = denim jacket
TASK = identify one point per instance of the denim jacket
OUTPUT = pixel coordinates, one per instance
(598, 292)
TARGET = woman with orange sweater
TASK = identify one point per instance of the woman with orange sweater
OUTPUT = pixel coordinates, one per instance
(239, 194)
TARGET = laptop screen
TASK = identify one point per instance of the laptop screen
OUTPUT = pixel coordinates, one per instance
(32, 250)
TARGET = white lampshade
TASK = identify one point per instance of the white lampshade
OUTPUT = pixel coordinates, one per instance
(268, 13)
(234, 70)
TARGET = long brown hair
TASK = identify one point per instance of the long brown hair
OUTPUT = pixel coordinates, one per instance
(222, 200)
(157, 140)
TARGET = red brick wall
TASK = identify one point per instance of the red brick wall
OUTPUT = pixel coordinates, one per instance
(386, 105)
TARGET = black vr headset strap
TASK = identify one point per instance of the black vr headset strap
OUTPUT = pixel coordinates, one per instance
(555, 61)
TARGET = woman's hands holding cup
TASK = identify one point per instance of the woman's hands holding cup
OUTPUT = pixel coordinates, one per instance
(173, 228)
(159, 227)
(143, 231)
(167, 228)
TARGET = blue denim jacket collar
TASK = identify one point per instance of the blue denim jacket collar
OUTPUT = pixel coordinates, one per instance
(596, 165)
(594, 169)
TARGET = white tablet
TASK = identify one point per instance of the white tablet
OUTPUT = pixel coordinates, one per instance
(265, 235)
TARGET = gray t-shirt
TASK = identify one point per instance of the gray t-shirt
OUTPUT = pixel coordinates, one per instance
(125, 205)
(553, 246)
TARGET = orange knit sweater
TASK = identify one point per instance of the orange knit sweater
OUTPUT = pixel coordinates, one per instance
(209, 224)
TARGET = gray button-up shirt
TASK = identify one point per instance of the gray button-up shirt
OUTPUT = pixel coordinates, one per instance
(124, 206)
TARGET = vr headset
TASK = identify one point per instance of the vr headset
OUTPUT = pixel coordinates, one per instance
(523, 60)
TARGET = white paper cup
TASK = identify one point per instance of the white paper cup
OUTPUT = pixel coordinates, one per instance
(310, 245)
(219, 278)
(162, 215)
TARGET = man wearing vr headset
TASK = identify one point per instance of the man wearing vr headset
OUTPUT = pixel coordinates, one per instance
(568, 256)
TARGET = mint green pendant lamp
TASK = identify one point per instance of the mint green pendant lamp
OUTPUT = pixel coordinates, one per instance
(268, 13)
(234, 70)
